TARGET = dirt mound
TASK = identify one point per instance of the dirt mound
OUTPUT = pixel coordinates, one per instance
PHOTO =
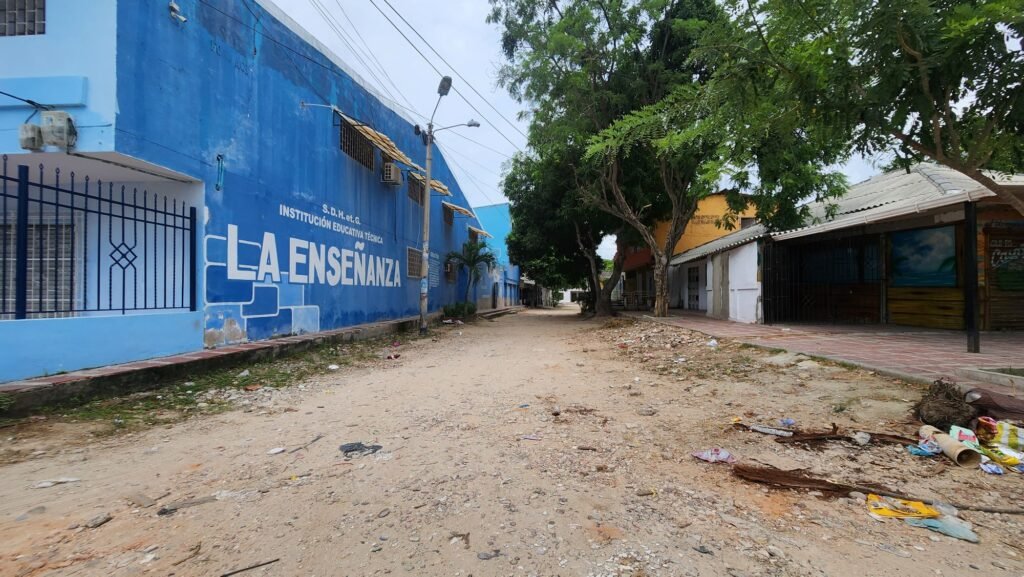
(944, 406)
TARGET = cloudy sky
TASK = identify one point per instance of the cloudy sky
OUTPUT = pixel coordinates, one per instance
(359, 32)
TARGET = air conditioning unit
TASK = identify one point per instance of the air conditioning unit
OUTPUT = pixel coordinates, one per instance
(392, 174)
(30, 137)
(59, 129)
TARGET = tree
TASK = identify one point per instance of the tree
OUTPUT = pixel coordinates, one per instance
(582, 64)
(474, 256)
(940, 79)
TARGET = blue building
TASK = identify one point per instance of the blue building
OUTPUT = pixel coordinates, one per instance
(502, 288)
(200, 173)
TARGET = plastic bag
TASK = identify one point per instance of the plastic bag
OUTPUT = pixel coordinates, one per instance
(715, 455)
(889, 507)
(947, 525)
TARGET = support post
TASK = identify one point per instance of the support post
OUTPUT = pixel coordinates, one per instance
(194, 228)
(971, 277)
(425, 257)
(21, 247)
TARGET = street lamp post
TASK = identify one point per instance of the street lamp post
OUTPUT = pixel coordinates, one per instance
(442, 91)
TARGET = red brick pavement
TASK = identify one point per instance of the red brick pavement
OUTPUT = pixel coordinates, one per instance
(912, 353)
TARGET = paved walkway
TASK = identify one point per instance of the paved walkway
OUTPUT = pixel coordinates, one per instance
(908, 352)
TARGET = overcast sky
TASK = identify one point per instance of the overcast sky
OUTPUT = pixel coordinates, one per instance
(458, 31)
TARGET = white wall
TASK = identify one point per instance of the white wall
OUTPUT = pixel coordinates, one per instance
(744, 287)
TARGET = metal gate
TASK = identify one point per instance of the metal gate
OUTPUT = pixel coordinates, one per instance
(73, 246)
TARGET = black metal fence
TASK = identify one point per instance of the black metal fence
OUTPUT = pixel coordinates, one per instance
(73, 246)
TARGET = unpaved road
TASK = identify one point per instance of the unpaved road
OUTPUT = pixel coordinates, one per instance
(477, 476)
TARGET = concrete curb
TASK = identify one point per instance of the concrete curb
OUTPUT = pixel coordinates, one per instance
(79, 387)
(903, 376)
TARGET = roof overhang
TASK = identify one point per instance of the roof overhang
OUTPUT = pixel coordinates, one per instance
(459, 209)
(434, 184)
(479, 231)
(380, 140)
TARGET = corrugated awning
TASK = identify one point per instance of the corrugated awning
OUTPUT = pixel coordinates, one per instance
(435, 184)
(479, 231)
(461, 210)
(381, 141)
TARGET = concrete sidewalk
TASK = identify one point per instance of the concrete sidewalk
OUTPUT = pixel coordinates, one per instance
(909, 353)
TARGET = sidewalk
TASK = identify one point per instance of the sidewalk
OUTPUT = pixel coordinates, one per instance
(909, 353)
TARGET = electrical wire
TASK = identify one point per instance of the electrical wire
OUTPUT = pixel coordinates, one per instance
(476, 184)
(461, 77)
(438, 71)
(369, 51)
(330, 23)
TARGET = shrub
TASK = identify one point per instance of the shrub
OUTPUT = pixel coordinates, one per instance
(460, 310)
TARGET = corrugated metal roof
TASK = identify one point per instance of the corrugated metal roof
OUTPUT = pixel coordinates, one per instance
(726, 242)
(381, 141)
(435, 184)
(461, 210)
(897, 193)
(480, 231)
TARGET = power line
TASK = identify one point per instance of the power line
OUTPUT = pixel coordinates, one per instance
(438, 71)
(330, 23)
(469, 175)
(470, 159)
(481, 145)
(367, 51)
(462, 78)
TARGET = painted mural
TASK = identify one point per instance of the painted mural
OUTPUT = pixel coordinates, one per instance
(924, 257)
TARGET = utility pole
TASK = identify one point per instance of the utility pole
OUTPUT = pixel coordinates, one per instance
(442, 91)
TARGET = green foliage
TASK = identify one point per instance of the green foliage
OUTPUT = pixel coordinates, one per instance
(475, 257)
(938, 80)
(5, 402)
(459, 310)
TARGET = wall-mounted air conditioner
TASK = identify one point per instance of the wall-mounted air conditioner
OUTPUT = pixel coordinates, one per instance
(391, 174)
(59, 129)
(30, 137)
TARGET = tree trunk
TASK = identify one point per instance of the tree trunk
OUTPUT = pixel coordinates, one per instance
(660, 284)
(469, 284)
(604, 299)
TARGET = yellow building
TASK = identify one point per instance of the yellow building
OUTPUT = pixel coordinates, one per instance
(704, 227)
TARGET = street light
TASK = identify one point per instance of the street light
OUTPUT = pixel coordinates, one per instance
(442, 91)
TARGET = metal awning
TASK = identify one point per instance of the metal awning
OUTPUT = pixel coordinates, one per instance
(461, 210)
(479, 231)
(435, 184)
(381, 141)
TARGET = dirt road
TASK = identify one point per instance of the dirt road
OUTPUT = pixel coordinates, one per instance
(477, 475)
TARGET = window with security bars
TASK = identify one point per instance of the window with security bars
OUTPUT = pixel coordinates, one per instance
(451, 272)
(416, 191)
(449, 216)
(413, 262)
(22, 17)
(51, 271)
(356, 145)
(474, 237)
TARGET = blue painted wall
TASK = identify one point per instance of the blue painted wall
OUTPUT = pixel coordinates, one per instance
(230, 82)
(72, 66)
(497, 221)
(296, 236)
(50, 346)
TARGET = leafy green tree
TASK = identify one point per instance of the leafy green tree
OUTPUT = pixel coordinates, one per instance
(475, 257)
(929, 79)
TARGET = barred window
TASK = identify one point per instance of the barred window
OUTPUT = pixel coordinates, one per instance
(356, 145)
(449, 216)
(451, 272)
(413, 262)
(473, 236)
(22, 17)
(50, 270)
(416, 190)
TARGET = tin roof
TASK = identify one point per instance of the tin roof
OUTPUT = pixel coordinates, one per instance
(381, 141)
(897, 193)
